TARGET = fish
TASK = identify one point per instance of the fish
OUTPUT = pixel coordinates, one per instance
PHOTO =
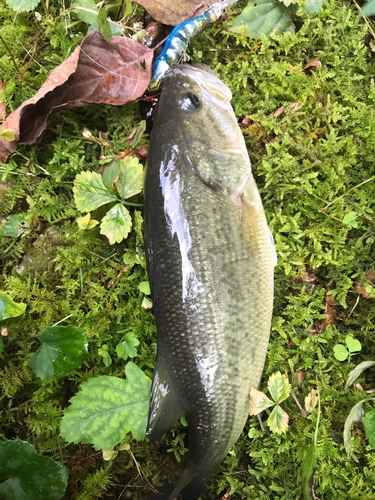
(179, 39)
(210, 260)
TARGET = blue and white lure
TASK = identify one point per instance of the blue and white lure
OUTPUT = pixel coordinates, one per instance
(176, 45)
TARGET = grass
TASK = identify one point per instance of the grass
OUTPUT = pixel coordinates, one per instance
(314, 164)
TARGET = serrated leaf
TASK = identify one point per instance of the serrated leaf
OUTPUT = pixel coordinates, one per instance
(104, 27)
(9, 308)
(107, 408)
(368, 8)
(264, 17)
(111, 172)
(313, 7)
(278, 420)
(86, 222)
(258, 401)
(8, 134)
(137, 224)
(90, 192)
(340, 352)
(127, 348)
(357, 371)
(64, 348)
(356, 415)
(311, 400)
(279, 387)
(25, 475)
(86, 10)
(354, 345)
(14, 225)
(130, 181)
(22, 5)
(370, 427)
(144, 287)
(116, 224)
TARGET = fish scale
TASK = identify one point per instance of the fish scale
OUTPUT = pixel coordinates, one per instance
(210, 261)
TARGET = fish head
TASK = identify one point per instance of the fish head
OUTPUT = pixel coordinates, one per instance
(195, 106)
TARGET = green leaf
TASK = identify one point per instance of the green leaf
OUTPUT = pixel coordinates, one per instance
(278, 420)
(354, 345)
(104, 27)
(14, 225)
(258, 401)
(107, 408)
(90, 192)
(63, 349)
(140, 131)
(107, 360)
(340, 352)
(85, 15)
(129, 258)
(145, 287)
(350, 219)
(9, 308)
(127, 348)
(368, 8)
(8, 134)
(25, 475)
(313, 7)
(370, 427)
(116, 224)
(111, 172)
(279, 387)
(356, 415)
(109, 454)
(86, 222)
(264, 17)
(114, 29)
(137, 224)
(308, 464)
(184, 421)
(1, 345)
(357, 371)
(130, 181)
(22, 5)
(146, 303)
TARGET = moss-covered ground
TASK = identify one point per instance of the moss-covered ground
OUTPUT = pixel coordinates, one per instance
(314, 164)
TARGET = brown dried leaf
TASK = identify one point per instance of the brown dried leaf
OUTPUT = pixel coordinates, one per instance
(315, 63)
(320, 325)
(97, 72)
(311, 400)
(361, 287)
(300, 377)
(173, 13)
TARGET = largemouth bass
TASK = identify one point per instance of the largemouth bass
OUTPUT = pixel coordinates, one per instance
(210, 260)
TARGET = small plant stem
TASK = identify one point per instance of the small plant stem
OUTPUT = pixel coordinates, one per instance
(32, 55)
(80, 273)
(10, 246)
(132, 204)
(61, 320)
(366, 19)
(139, 471)
(93, 253)
(355, 305)
(11, 54)
(348, 191)
(302, 410)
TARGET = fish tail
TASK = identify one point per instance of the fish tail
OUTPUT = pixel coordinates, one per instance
(189, 486)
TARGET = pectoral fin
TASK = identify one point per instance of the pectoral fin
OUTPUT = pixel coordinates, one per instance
(165, 409)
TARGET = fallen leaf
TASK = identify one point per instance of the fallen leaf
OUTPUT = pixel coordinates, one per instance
(320, 325)
(300, 377)
(314, 63)
(174, 13)
(97, 72)
(311, 400)
(361, 287)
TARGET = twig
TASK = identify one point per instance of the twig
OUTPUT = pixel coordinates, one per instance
(365, 18)
(355, 305)
(32, 55)
(348, 191)
(11, 54)
(302, 410)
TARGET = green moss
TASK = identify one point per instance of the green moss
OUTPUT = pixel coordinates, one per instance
(313, 164)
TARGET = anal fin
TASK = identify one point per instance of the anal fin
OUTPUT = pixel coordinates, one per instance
(165, 409)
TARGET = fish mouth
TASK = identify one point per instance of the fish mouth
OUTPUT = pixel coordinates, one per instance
(212, 87)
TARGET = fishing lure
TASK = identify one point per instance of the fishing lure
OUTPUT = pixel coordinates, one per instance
(179, 39)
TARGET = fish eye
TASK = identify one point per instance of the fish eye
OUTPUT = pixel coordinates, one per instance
(190, 101)
(194, 99)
